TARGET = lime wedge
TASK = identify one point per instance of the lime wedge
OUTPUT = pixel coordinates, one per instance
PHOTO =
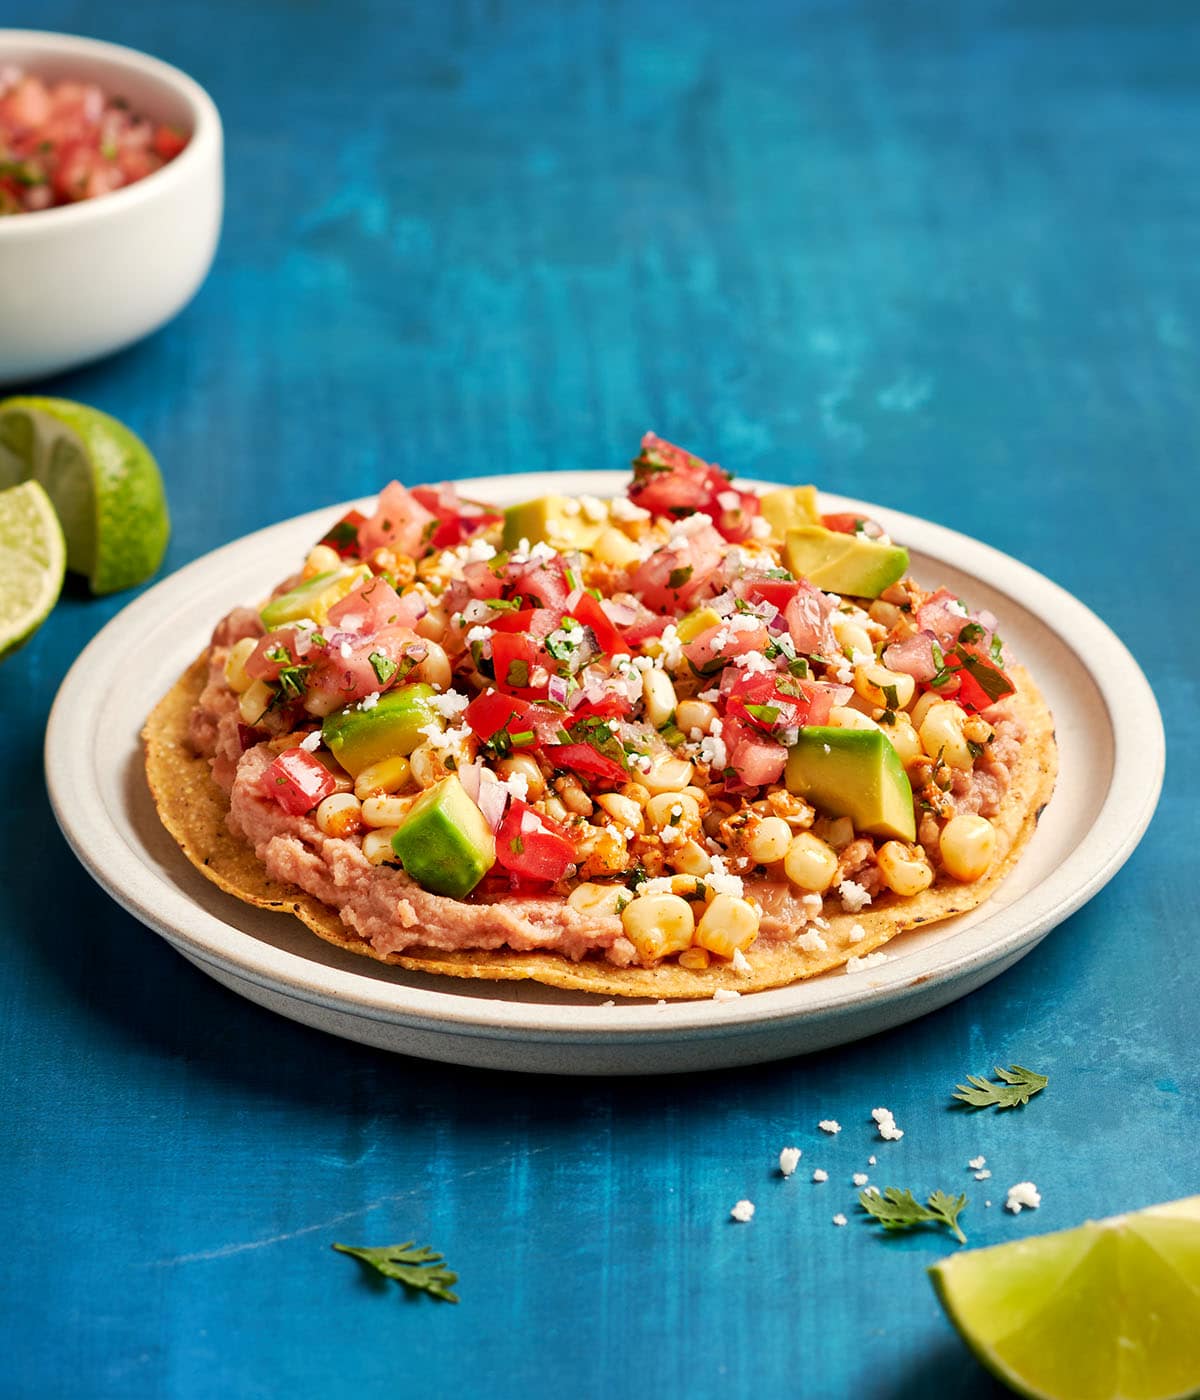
(103, 481)
(1110, 1309)
(33, 558)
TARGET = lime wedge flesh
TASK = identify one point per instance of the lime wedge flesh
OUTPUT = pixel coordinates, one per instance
(104, 483)
(1110, 1309)
(33, 558)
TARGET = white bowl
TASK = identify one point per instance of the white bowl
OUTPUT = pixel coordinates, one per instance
(83, 280)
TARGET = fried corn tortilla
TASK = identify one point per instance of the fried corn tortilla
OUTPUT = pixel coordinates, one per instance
(194, 809)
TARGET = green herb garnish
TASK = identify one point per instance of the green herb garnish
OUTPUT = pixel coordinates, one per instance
(383, 666)
(678, 577)
(518, 673)
(900, 1210)
(1018, 1088)
(970, 633)
(421, 1268)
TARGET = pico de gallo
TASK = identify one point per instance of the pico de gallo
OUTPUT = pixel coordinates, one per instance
(65, 141)
(692, 713)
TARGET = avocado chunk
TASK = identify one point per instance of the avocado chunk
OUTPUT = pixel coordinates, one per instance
(357, 737)
(445, 844)
(788, 509)
(314, 597)
(558, 521)
(689, 627)
(853, 773)
(841, 563)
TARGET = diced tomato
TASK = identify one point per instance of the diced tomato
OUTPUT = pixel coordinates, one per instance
(457, 519)
(671, 579)
(844, 522)
(533, 846)
(751, 698)
(669, 481)
(591, 614)
(343, 537)
(733, 513)
(169, 141)
(721, 641)
(297, 781)
(807, 615)
(754, 759)
(779, 592)
(541, 582)
(271, 654)
(376, 604)
(374, 664)
(582, 758)
(971, 693)
(515, 656)
(537, 622)
(482, 580)
(400, 522)
(493, 711)
(612, 705)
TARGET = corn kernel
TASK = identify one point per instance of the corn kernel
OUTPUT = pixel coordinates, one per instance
(892, 690)
(667, 774)
(601, 900)
(255, 702)
(768, 840)
(235, 664)
(377, 845)
(968, 846)
(729, 924)
(904, 868)
(697, 959)
(623, 810)
(942, 735)
(659, 695)
(385, 811)
(340, 814)
(810, 863)
(388, 775)
(658, 925)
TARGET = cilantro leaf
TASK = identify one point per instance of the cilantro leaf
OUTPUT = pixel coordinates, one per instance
(993, 682)
(383, 666)
(420, 1268)
(900, 1210)
(678, 577)
(1018, 1088)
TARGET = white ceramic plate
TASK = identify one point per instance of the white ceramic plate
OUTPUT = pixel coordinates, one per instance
(1111, 755)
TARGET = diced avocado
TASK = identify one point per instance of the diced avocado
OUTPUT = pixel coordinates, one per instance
(688, 628)
(789, 508)
(445, 844)
(357, 737)
(841, 563)
(853, 773)
(314, 597)
(558, 521)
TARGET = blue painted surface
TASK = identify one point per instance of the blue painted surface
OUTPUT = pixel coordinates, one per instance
(938, 256)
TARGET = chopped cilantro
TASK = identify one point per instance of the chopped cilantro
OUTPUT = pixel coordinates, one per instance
(678, 577)
(971, 632)
(889, 694)
(383, 666)
(518, 673)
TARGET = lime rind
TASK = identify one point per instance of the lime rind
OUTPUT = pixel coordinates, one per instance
(1109, 1309)
(33, 558)
(104, 483)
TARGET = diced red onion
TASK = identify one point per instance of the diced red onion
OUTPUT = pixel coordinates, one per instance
(492, 800)
(557, 689)
(469, 774)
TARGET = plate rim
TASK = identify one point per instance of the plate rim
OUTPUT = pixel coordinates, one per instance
(1136, 778)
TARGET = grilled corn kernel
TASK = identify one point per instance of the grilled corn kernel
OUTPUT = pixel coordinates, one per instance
(659, 694)
(427, 768)
(321, 560)
(604, 851)
(434, 669)
(598, 899)
(924, 704)
(340, 814)
(388, 775)
(843, 717)
(942, 734)
(667, 774)
(377, 845)
(378, 812)
(728, 924)
(695, 958)
(978, 730)
(810, 863)
(676, 809)
(433, 625)
(904, 868)
(968, 846)
(527, 766)
(235, 665)
(890, 689)
(255, 702)
(658, 924)
(689, 858)
(623, 810)
(614, 547)
(554, 808)
(768, 840)
(852, 636)
(904, 740)
(838, 832)
(570, 790)
(636, 793)
(695, 714)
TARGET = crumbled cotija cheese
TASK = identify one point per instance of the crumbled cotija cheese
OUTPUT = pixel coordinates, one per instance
(1023, 1194)
(829, 1125)
(789, 1159)
(743, 1211)
(820, 1175)
(854, 965)
(887, 1125)
(854, 897)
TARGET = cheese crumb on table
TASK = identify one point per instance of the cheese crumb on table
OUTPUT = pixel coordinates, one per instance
(887, 1125)
(982, 1175)
(1023, 1194)
(839, 1219)
(860, 1178)
(743, 1212)
(871, 1162)
(829, 1125)
(820, 1175)
(789, 1159)
(976, 1162)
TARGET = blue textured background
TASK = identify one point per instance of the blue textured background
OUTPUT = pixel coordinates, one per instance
(942, 256)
